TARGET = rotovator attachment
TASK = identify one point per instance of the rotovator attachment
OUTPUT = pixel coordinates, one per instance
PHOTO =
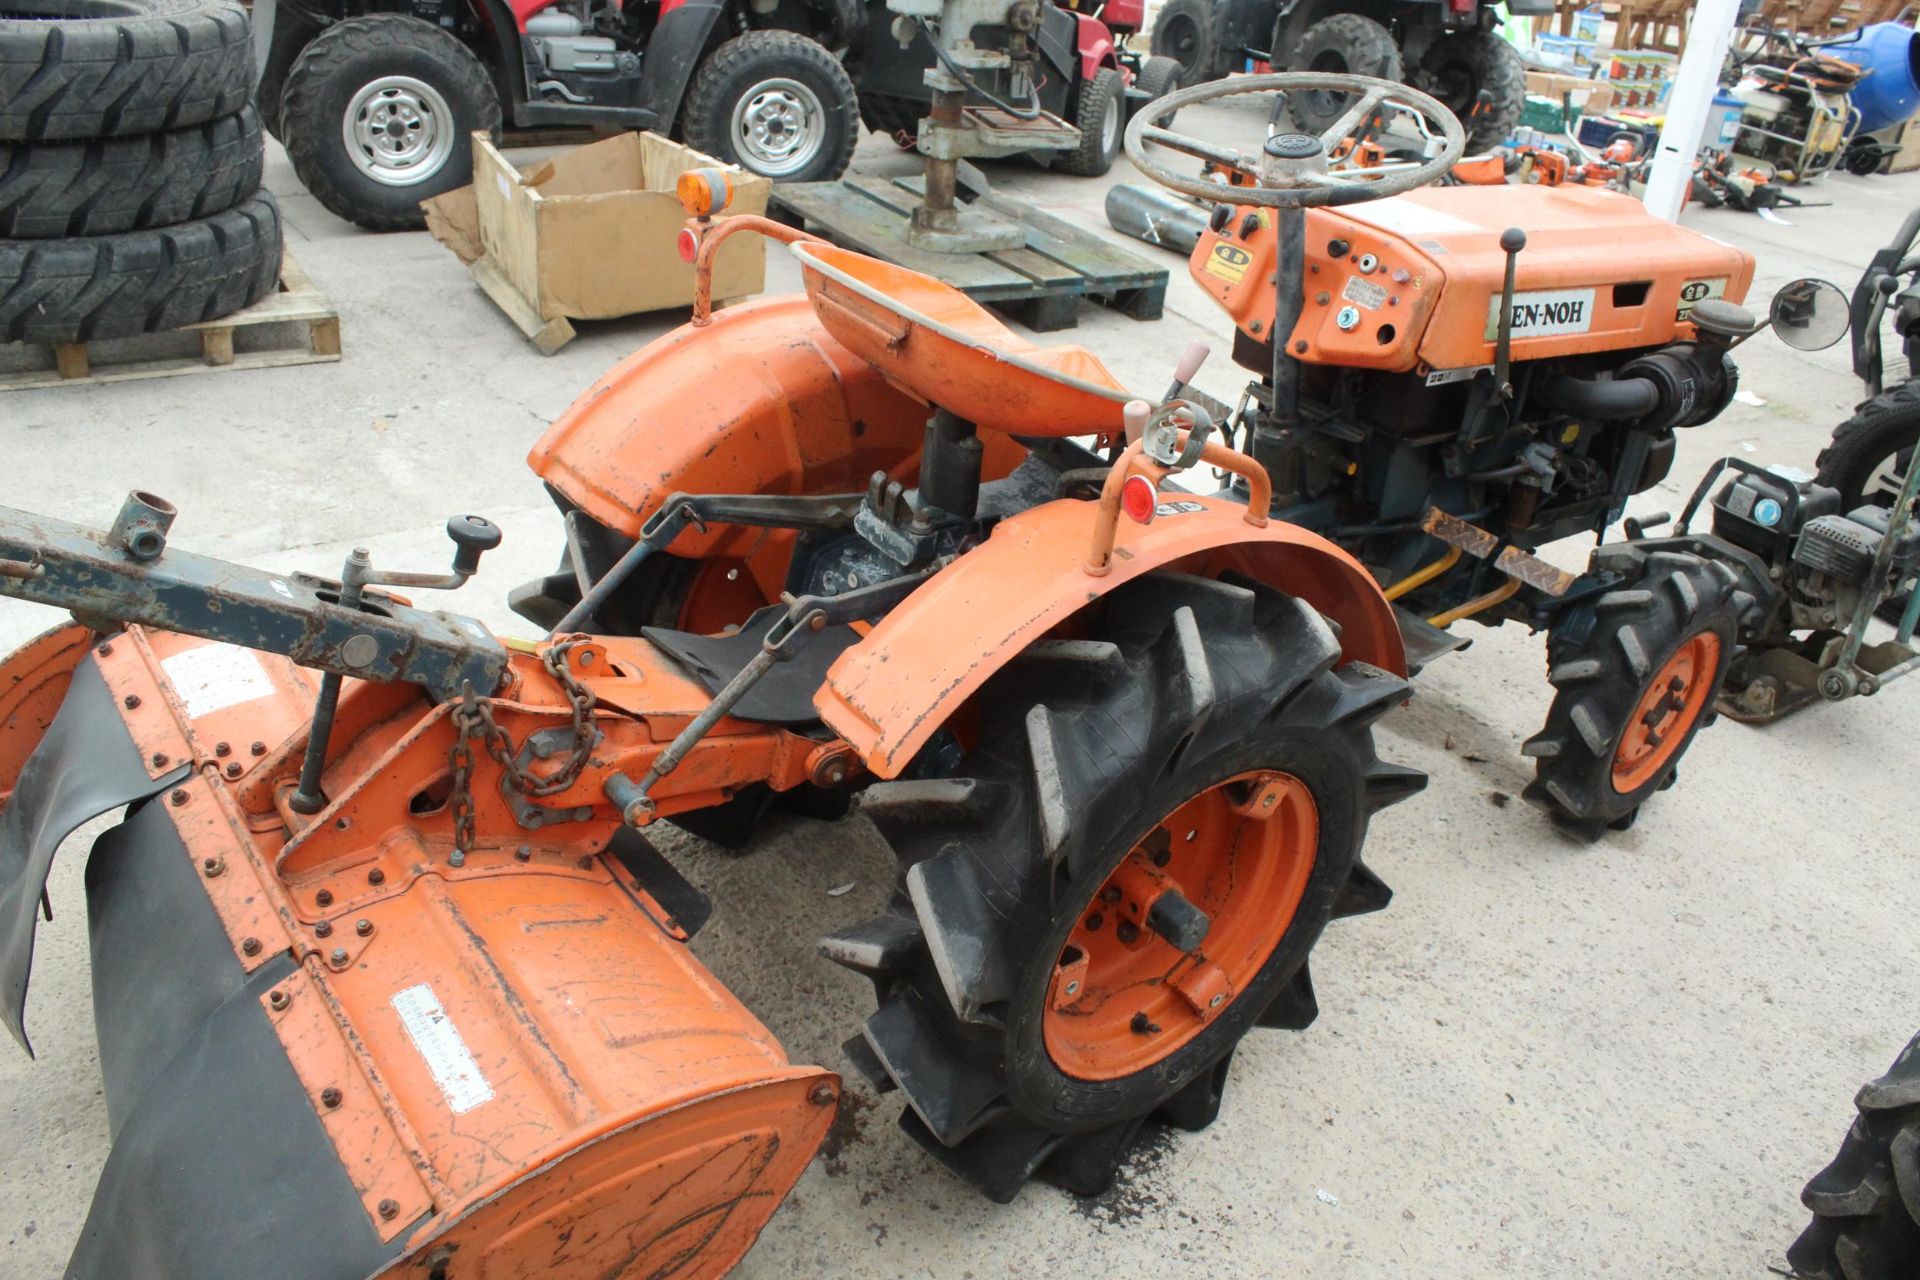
(400, 995)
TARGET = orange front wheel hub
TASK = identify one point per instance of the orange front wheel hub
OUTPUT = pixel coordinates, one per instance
(1182, 926)
(1666, 712)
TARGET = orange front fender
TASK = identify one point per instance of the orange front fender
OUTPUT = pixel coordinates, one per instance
(33, 684)
(761, 401)
(891, 692)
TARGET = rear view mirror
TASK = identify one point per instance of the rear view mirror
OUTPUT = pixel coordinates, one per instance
(1809, 315)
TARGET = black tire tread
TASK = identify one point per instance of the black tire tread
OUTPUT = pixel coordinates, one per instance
(1495, 66)
(1599, 680)
(307, 133)
(103, 187)
(1866, 1203)
(1209, 59)
(707, 109)
(1103, 93)
(110, 68)
(93, 287)
(1884, 425)
(1369, 49)
(1068, 730)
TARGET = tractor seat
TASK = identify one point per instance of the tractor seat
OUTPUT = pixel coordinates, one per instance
(942, 347)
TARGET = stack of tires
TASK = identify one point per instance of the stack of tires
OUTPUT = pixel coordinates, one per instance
(130, 159)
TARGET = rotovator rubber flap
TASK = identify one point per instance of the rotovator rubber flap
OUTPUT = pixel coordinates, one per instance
(349, 1046)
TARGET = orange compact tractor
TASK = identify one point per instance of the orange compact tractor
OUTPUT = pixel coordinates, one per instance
(1464, 376)
(389, 980)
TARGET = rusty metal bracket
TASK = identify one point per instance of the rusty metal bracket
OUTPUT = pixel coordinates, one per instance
(109, 585)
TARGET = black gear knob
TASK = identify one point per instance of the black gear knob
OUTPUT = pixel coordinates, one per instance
(472, 536)
(1513, 240)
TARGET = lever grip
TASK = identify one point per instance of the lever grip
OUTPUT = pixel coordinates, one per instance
(473, 536)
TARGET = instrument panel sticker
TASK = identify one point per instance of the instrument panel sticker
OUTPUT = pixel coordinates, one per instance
(213, 677)
(1365, 293)
(1699, 291)
(1181, 507)
(438, 1041)
(1542, 314)
(1442, 377)
(1228, 262)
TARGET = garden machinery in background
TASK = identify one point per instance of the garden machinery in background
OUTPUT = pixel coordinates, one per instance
(383, 886)
(1000, 73)
(1450, 49)
(1070, 59)
(376, 103)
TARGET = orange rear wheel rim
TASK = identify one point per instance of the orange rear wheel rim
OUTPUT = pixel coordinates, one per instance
(1122, 996)
(1667, 710)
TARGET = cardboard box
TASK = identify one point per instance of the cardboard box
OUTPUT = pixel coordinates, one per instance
(1590, 97)
(590, 234)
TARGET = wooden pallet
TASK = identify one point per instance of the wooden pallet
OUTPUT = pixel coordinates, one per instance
(307, 332)
(1040, 284)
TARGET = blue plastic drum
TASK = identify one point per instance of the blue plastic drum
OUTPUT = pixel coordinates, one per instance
(1891, 53)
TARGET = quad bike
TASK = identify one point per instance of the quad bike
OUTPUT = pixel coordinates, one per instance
(376, 104)
(1086, 75)
(383, 886)
(1449, 49)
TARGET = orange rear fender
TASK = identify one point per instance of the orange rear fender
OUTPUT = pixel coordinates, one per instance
(891, 692)
(761, 401)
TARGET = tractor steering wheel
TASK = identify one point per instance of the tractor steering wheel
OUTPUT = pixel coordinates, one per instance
(1293, 171)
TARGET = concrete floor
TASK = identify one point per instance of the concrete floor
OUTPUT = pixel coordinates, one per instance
(1546, 1059)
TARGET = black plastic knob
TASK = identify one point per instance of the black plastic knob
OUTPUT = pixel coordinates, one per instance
(1513, 240)
(1294, 146)
(473, 536)
(1181, 923)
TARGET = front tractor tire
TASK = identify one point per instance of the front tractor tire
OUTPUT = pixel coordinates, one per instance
(1123, 878)
(1866, 1204)
(776, 103)
(1635, 673)
(1456, 68)
(376, 116)
(1183, 31)
(1100, 115)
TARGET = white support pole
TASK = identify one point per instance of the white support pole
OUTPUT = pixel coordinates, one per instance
(1689, 104)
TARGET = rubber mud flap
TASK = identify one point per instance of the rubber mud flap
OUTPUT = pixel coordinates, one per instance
(85, 766)
(220, 1168)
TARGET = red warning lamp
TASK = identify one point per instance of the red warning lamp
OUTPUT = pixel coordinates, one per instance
(1138, 499)
(688, 244)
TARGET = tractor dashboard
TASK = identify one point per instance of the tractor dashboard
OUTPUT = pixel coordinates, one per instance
(1413, 283)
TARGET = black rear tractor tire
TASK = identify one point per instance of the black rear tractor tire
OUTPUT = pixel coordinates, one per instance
(90, 287)
(54, 189)
(1159, 77)
(76, 69)
(1183, 31)
(408, 94)
(1343, 44)
(1092, 756)
(1866, 1204)
(1619, 722)
(776, 103)
(1100, 115)
(1456, 68)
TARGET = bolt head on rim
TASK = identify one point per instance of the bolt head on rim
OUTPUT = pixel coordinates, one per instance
(399, 131)
(1123, 994)
(779, 126)
(1667, 711)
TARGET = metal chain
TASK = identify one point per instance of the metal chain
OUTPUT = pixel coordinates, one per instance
(473, 718)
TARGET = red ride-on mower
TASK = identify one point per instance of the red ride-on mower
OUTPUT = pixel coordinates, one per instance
(375, 107)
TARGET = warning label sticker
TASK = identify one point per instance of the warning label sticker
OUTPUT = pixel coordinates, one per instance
(1228, 262)
(1540, 315)
(214, 677)
(1699, 291)
(1364, 293)
(445, 1053)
